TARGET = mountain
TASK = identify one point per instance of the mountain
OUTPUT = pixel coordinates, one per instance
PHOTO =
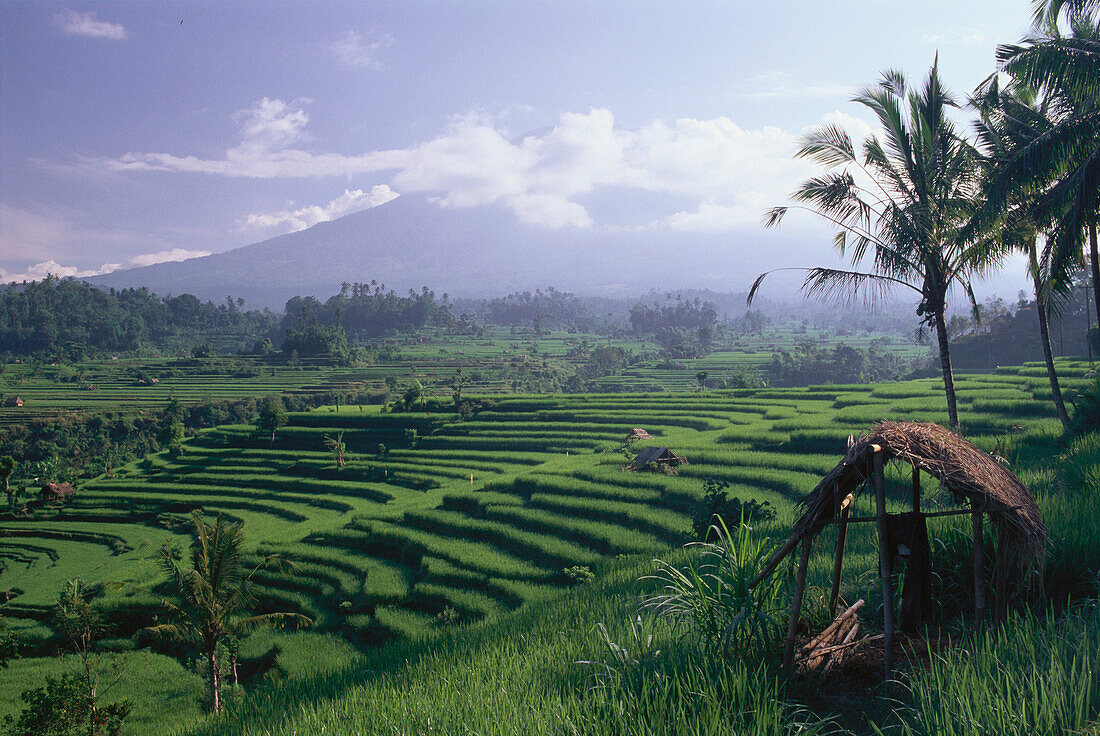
(412, 242)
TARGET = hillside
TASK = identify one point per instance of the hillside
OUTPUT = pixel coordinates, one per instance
(410, 242)
(458, 521)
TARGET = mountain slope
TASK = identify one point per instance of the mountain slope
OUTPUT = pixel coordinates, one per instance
(411, 242)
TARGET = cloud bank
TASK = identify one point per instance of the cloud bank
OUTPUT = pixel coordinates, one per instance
(733, 173)
(39, 271)
(85, 24)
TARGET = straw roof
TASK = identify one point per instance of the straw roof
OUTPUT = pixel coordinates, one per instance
(967, 472)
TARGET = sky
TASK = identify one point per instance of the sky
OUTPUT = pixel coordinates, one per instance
(141, 132)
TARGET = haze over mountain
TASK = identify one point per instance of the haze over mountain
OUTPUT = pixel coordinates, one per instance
(412, 242)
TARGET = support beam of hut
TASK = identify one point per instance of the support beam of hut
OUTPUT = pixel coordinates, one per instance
(878, 477)
(979, 567)
(796, 605)
(1000, 606)
(838, 561)
(916, 489)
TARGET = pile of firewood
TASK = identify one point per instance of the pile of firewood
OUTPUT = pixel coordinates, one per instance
(828, 648)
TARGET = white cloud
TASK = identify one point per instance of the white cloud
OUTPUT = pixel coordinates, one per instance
(39, 271)
(85, 24)
(352, 51)
(289, 221)
(476, 161)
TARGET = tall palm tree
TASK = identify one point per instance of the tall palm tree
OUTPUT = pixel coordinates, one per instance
(216, 594)
(901, 202)
(1063, 162)
(1009, 120)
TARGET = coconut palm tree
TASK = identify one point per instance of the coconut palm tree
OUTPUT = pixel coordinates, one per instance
(900, 202)
(1009, 120)
(1063, 162)
(215, 594)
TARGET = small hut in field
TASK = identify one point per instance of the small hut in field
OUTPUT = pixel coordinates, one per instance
(971, 476)
(57, 492)
(13, 401)
(637, 434)
(656, 458)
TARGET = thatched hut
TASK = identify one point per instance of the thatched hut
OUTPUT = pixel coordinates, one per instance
(637, 434)
(970, 475)
(13, 401)
(656, 457)
(57, 492)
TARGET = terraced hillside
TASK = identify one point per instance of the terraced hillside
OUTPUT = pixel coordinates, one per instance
(467, 519)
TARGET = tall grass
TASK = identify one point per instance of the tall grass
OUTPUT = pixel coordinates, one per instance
(1038, 677)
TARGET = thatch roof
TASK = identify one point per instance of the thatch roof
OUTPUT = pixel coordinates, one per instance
(656, 455)
(967, 472)
(638, 434)
(58, 490)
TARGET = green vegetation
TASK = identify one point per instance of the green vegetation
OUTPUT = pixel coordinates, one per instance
(463, 520)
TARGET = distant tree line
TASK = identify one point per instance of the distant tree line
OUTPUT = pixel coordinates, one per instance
(71, 319)
(811, 364)
(360, 312)
(1006, 336)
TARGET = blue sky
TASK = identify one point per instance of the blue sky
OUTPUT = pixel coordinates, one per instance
(130, 137)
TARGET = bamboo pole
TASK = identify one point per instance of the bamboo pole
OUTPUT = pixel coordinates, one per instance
(796, 605)
(838, 561)
(979, 568)
(884, 560)
(1000, 606)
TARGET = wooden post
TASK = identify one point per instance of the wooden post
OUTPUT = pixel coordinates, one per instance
(884, 560)
(1000, 606)
(916, 489)
(979, 567)
(838, 561)
(796, 605)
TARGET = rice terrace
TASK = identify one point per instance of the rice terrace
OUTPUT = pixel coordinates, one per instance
(778, 453)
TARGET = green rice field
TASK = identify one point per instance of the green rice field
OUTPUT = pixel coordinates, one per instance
(474, 518)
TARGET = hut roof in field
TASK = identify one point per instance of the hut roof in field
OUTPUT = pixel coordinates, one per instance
(656, 455)
(966, 471)
(639, 434)
(59, 490)
(13, 401)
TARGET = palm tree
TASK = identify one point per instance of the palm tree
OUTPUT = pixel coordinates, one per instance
(1009, 120)
(1063, 162)
(215, 594)
(901, 201)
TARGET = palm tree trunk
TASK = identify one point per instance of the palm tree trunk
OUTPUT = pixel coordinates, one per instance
(1048, 354)
(948, 378)
(1094, 257)
(215, 686)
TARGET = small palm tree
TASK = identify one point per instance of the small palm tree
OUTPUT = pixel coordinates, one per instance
(215, 594)
(900, 202)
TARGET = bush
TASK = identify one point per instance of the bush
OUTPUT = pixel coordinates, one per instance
(711, 600)
(716, 506)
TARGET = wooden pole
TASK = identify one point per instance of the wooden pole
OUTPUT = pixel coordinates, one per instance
(1000, 606)
(979, 567)
(796, 605)
(916, 489)
(838, 560)
(884, 560)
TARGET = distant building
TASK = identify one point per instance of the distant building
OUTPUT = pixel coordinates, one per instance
(637, 434)
(13, 401)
